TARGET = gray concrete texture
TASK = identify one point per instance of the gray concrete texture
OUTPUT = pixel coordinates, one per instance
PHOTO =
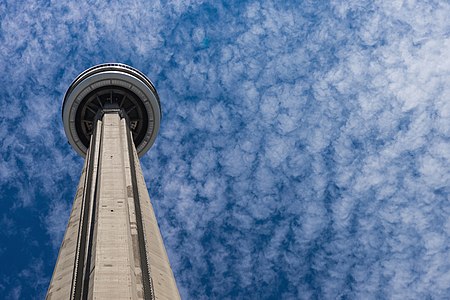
(112, 248)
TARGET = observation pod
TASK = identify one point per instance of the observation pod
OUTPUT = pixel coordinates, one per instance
(111, 86)
(112, 247)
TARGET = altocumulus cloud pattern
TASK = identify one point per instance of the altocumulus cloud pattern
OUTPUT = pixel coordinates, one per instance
(304, 151)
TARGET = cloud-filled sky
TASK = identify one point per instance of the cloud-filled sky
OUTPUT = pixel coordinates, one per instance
(304, 151)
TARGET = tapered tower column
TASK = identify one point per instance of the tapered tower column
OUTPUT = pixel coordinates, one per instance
(112, 248)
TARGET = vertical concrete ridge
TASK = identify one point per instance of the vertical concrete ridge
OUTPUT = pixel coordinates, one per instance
(114, 270)
(147, 284)
(162, 278)
(89, 260)
(62, 278)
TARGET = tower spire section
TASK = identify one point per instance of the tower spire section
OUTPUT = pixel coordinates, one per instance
(112, 247)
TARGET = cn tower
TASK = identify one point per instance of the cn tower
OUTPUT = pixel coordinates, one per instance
(112, 247)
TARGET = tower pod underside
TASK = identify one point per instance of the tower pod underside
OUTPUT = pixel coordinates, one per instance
(111, 86)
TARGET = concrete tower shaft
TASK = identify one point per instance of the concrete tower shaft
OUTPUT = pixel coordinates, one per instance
(112, 248)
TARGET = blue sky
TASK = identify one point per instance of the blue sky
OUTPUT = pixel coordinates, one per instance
(304, 150)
